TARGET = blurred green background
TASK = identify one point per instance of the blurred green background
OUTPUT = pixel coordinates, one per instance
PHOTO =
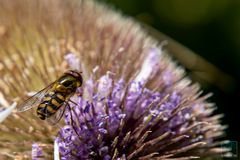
(211, 28)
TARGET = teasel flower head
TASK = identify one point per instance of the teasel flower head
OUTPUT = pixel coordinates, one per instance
(135, 102)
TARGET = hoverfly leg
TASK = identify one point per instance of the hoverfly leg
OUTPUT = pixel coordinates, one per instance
(73, 102)
(74, 112)
(72, 121)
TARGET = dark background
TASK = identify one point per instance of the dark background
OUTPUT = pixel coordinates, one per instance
(211, 28)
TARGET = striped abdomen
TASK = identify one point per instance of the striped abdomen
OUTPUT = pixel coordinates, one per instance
(51, 102)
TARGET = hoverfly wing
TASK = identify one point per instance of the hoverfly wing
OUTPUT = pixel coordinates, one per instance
(54, 119)
(34, 100)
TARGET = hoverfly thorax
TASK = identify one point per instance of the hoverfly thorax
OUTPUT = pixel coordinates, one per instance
(69, 82)
(77, 75)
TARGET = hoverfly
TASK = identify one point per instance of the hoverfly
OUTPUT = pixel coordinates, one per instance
(52, 100)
